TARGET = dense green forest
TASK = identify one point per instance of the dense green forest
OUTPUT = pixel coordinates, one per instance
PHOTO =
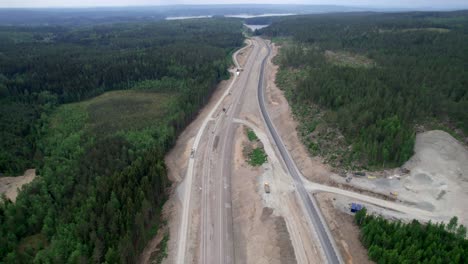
(397, 242)
(100, 159)
(369, 80)
(40, 67)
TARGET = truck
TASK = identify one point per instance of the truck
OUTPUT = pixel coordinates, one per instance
(266, 185)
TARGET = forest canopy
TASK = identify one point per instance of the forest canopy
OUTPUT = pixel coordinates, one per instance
(414, 242)
(41, 67)
(99, 152)
(374, 78)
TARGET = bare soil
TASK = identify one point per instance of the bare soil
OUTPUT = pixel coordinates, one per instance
(243, 55)
(10, 186)
(344, 230)
(260, 236)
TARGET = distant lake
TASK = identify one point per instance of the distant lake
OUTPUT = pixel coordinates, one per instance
(186, 17)
(262, 15)
(236, 16)
(255, 27)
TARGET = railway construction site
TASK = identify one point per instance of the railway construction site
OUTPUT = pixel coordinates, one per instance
(219, 211)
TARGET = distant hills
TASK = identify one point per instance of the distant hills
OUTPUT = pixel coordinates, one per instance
(85, 16)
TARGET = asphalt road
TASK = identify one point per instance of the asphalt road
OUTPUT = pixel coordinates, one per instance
(309, 203)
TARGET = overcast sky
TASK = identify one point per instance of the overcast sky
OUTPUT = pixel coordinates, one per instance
(374, 3)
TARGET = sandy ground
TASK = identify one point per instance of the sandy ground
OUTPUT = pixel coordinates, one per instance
(10, 185)
(438, 178)
(345, 232)
(260, 235)
(243, 55)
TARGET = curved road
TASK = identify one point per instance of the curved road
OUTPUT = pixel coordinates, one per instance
(310, 205)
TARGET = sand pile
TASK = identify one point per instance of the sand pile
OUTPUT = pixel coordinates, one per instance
(439, 174)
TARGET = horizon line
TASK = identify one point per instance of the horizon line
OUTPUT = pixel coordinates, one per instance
(452, 8)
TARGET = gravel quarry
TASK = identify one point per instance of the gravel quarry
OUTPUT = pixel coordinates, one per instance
(437, 180)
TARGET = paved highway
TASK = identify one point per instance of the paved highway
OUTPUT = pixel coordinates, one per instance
(309, 203)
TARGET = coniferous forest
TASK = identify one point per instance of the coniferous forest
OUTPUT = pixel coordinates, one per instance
(374, 80)
(99, 152)
(414, 242)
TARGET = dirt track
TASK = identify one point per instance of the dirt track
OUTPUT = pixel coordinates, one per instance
(10, 185)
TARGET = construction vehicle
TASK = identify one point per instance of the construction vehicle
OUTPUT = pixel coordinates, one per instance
(266, 185)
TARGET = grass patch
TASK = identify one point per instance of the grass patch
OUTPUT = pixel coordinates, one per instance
(257, 157)
(251, 135)
(126, 110)
(282, 40)
(134, 116)
(253, 149)
(346, 59)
